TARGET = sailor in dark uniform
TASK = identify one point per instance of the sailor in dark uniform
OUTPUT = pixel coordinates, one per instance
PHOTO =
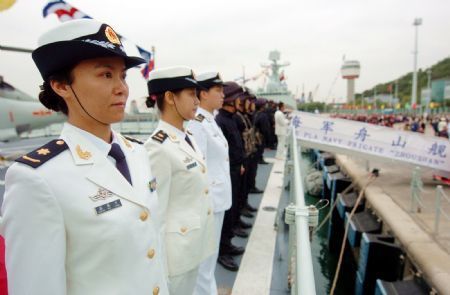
(186, 207)
(230, 130)
(262, 128)
(80, 214)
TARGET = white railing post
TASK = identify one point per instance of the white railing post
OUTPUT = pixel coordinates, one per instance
(416, 187)
(437, 209)
(304, 283)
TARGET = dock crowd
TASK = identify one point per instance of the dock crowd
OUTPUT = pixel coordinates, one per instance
(439, 124)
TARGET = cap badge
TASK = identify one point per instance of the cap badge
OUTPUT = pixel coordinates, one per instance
(111, 35)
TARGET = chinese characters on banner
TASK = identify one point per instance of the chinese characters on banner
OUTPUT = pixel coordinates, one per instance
(370, 139)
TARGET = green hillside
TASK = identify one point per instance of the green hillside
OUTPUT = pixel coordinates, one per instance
(438, 71)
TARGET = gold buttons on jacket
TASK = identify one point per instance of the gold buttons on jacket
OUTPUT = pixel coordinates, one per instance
(203, 170)
(206, 191)
(143, 216)
(183, 229)
(151, 253)
(156, 291)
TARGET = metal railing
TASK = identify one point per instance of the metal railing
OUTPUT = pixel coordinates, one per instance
(440, 195)
(300, 258)
(417, 203)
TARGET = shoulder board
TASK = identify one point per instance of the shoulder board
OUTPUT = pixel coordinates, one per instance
(199, 118)
(133, 139)
(160, 136)
(41, 155)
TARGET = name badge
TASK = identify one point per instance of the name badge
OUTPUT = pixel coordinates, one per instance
(108, 207)
(192, 165)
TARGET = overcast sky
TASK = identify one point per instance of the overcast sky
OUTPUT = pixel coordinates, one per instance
(229, 35)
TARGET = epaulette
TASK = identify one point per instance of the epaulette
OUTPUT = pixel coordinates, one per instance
(133, 139)
(199, 118)
(46, 152)
(160, 136)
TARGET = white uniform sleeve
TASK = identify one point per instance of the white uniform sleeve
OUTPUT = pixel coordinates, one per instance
(35, 239)
(200, 136)
(162, 170)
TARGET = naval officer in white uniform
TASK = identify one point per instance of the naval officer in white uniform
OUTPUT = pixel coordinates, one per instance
(281, 130)
(214, 146)
(186, 207)
(79, 216)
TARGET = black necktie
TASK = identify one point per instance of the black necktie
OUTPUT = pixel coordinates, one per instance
(121, 162)
(190, 142)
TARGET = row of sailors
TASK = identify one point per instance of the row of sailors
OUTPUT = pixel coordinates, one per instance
(95, 212)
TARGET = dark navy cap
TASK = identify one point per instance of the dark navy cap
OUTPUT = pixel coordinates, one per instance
(260, 101)
(171, 79)
(232, 91)
(77, 40)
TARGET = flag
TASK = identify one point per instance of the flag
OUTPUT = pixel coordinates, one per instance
(150, 62)
(65, 12)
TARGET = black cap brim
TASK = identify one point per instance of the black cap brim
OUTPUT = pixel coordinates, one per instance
(172, 84)
(57, 56)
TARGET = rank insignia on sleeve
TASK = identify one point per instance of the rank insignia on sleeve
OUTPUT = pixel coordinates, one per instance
(199, 118)
(160, 136)
(152, 185)
(44, 153)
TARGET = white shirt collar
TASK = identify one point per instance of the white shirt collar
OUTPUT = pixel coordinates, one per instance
(171, 130)
(99, 143)
(205, 113)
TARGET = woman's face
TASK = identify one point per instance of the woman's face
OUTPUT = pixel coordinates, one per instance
(101, 88)
(216, 97)
(247, 105)
(186, 103)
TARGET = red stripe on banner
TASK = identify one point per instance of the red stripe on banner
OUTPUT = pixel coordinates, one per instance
(11, 117)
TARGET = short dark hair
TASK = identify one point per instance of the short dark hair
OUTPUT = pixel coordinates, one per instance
(280, 105)
(49, 98)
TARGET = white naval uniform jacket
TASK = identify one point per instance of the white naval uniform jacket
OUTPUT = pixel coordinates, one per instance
(183, 197)
(281, 123)
(58, 243)
(214, 145)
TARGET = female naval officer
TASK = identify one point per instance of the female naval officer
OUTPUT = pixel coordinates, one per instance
(181, 180)
(214, 146)
(79, 216)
